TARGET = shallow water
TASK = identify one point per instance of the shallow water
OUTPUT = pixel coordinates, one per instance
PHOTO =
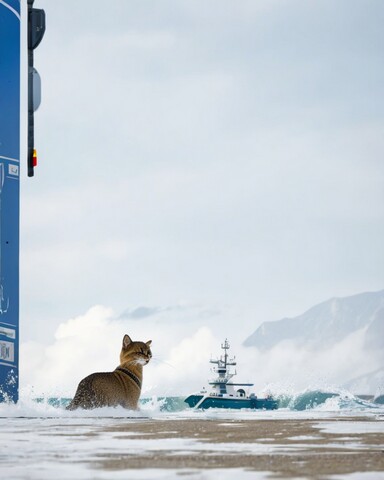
(41, 440)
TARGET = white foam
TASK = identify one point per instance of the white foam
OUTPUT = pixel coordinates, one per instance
(64, 472)
(352, 427)
(359, 476)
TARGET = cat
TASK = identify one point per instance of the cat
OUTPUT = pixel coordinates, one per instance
(122, 387)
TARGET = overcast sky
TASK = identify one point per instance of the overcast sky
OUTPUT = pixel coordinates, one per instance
(220, 158)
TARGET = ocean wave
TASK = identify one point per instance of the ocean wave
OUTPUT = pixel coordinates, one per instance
(308, 400)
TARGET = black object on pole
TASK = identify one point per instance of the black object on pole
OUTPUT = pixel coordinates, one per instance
(36, 30)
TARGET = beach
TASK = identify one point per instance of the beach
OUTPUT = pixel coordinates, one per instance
(285, 447)
(173, 446)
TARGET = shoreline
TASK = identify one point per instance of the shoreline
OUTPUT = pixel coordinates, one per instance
(110, 448)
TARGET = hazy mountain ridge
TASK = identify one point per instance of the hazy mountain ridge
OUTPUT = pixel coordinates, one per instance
(372, 382)
(327, 323)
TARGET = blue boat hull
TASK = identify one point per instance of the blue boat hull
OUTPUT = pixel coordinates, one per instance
(231, 402)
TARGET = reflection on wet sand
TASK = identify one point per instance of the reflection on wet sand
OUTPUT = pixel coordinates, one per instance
(116, 447)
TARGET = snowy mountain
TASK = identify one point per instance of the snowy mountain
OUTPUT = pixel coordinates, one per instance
(327, 324)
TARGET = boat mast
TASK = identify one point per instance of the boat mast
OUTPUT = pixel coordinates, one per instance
(225, 347)
(227, 362)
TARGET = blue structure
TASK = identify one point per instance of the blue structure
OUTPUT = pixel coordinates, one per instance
(9, 197)
(10, 48)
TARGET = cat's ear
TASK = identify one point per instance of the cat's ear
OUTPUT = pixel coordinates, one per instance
(148, 343)
(126, 341)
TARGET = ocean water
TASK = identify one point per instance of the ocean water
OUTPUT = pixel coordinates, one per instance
(311, 401)
(315, 400)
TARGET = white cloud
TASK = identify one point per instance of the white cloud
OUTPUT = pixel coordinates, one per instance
(91, 342)
(82, 345)
(186, 367)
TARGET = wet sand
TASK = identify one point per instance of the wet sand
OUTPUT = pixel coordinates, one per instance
(213, 445)
(285, 448)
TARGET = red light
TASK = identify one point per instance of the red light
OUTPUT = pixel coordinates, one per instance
(34, 158)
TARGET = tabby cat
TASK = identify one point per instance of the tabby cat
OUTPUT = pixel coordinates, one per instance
(120, 387)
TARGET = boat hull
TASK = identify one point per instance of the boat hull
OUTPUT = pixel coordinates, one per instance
(230, 402)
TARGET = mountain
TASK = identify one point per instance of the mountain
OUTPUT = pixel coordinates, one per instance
(328, 323)
(370, 382)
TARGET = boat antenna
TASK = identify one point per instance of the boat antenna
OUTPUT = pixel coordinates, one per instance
(225, 347)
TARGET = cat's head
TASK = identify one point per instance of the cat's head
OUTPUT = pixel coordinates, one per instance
(135, 352)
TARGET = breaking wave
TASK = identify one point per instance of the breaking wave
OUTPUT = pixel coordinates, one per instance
(310, 400)
(323, 400)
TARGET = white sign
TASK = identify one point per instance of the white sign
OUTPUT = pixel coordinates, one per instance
(7, 351)
(13, 170)
(8, 332)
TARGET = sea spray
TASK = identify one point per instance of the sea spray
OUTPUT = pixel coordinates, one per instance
(307, 400)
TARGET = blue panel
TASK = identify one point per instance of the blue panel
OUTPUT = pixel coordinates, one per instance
(9, 82)
(9, 198)
(15, 4)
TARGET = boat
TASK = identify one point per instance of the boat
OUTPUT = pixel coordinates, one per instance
(225, 393)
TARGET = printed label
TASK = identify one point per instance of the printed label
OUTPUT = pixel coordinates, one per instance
(8, 332)
(13, 170)
(7, 351)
